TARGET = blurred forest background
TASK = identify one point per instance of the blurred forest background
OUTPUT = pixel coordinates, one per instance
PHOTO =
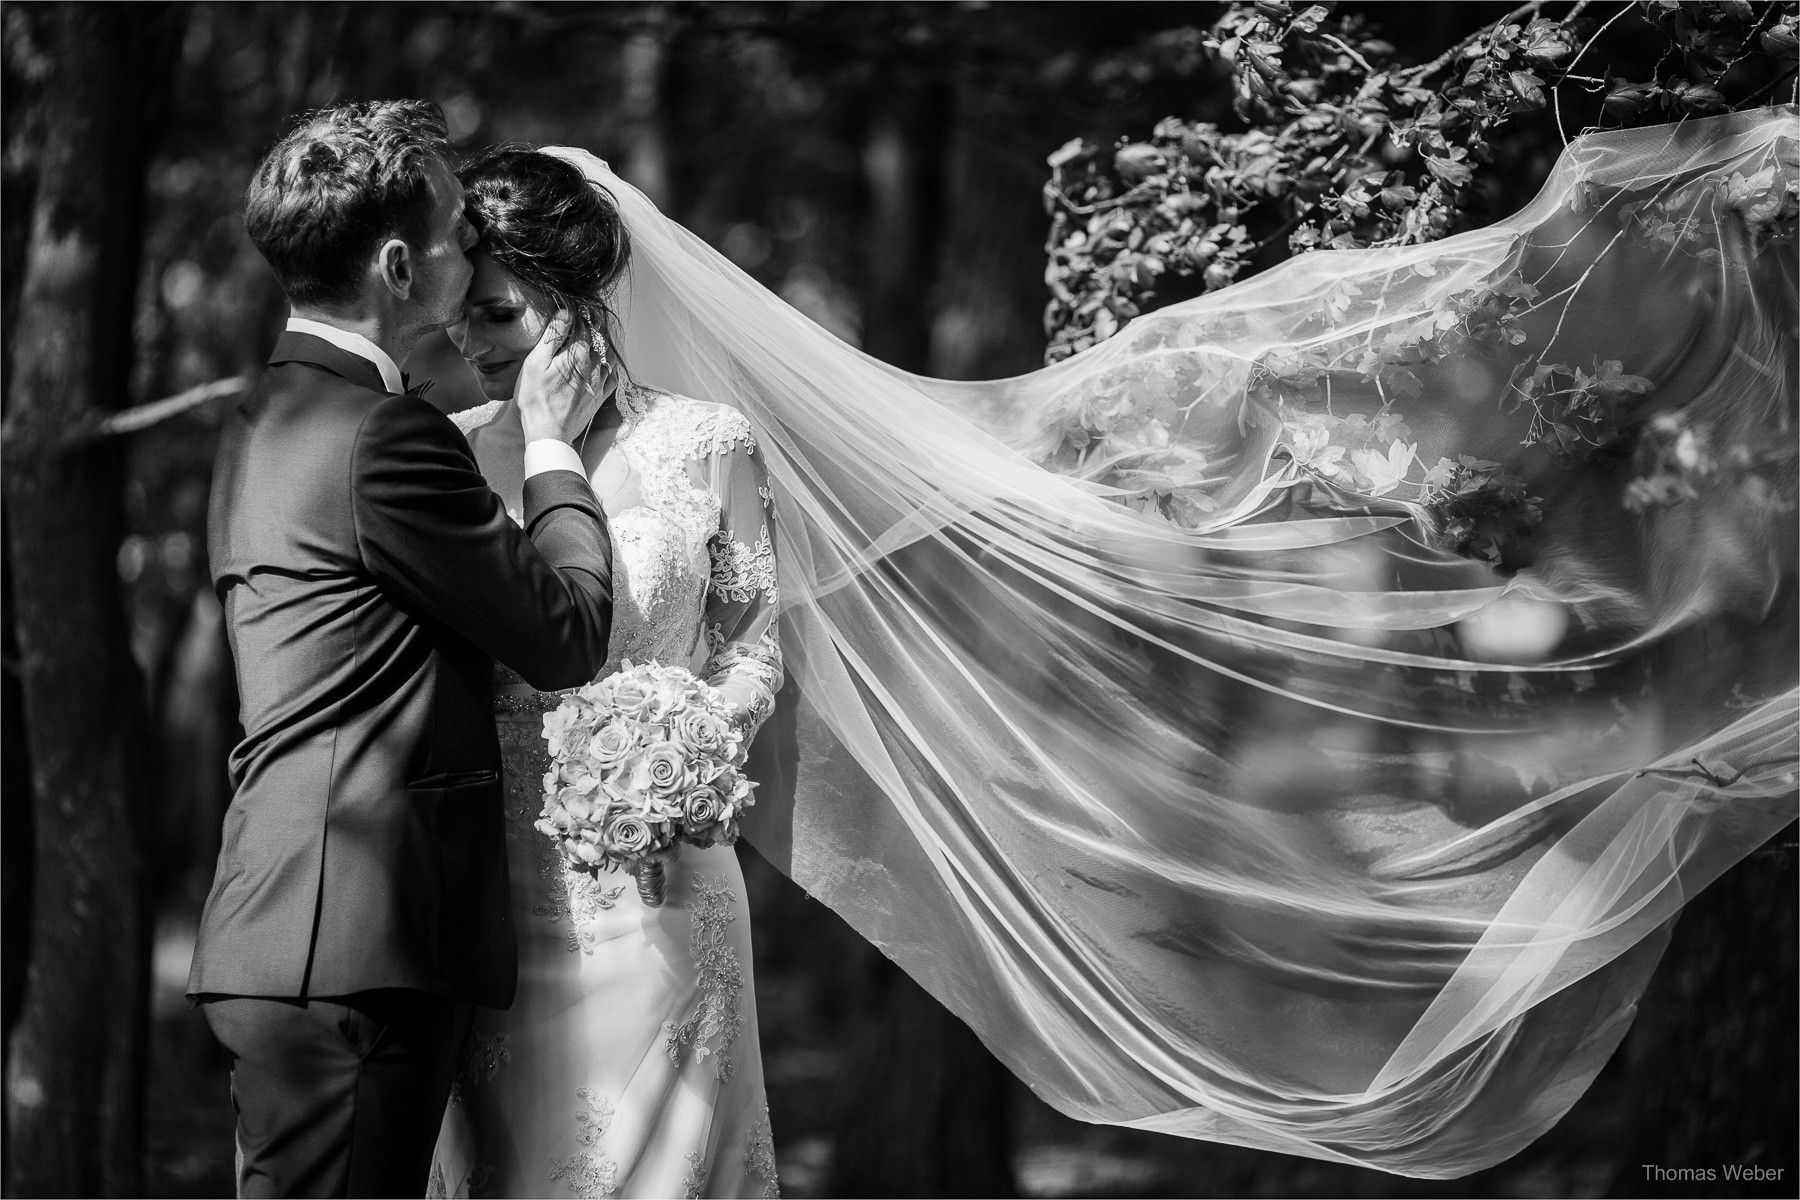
(881, 166)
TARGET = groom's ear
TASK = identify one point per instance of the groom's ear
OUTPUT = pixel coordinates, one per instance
(393, 262)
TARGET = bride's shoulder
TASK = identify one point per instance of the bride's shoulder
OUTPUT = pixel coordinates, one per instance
(693, 428)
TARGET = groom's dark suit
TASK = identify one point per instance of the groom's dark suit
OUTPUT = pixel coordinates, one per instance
(369, 579)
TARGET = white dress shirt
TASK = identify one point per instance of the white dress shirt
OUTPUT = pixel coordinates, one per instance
(544, 454)
(356, 344)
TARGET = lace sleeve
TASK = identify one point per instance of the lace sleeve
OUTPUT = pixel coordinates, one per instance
(743, 647)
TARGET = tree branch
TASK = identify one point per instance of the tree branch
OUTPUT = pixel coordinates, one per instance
(142, 416)
(1453, 53)
(1345, 48)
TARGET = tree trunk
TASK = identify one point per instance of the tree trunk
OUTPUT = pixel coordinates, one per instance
(1711, 1056)
(19, 88)
(903, 155)
(74, 1081)
(991, 286)
(643, 66)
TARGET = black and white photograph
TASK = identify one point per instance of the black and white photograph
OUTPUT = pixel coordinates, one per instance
(689, 598)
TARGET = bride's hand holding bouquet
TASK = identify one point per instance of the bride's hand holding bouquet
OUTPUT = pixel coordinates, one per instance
(640, 762)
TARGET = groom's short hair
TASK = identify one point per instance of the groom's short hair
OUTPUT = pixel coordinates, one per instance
(344, 180)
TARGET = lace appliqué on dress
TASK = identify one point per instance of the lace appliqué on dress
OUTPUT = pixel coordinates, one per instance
(482, 1056)
(575, 897)
(759, 1157)
(471, 419)
(590, 1174)
(719, 1018)
(595, 1119)
(693, 1184)
(660, 438)
(739, 571)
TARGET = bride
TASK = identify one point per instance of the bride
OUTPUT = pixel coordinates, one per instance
(1294, 722)
(629, 1063)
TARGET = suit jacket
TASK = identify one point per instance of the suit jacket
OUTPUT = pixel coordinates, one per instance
(369, 579)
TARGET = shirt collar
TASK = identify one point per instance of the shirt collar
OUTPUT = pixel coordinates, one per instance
(354, 343)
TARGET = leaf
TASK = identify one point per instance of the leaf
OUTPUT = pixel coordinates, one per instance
(1390, 426)
(1068, 152)
(1611, 381)
(1403, 384)
(1138, 162)
(1529, 88)
(1546, 41)
(1698, 97)
(1395, 194)
(1629, 99)
(1384, 472)
(1310, 20)
(1440, 475)
(1781, 41)
(1452, 174)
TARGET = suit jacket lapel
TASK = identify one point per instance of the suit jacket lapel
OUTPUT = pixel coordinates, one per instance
(317, 352)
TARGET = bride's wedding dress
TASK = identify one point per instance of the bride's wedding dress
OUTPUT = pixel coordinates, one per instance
(629, 1065)
(1295, 721)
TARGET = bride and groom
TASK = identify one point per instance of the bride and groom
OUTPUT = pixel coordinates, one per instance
(1241, 810)
(386, 931)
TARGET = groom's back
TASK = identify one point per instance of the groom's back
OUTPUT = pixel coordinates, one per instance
(282, 542)
(357, 852)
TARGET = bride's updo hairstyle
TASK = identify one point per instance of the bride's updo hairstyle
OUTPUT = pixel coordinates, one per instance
(541, 219)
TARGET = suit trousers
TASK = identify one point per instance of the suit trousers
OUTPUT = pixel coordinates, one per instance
(341, 1095)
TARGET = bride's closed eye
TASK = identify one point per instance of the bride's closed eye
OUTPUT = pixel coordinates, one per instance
(495, 313)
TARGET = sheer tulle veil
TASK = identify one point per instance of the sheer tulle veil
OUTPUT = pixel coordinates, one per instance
(1231, 770)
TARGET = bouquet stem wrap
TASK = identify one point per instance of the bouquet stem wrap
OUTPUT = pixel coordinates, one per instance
(652, 883)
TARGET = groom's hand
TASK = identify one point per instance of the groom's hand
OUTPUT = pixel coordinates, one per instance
(556, 393)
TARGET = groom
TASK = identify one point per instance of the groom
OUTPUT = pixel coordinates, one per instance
(369, 580)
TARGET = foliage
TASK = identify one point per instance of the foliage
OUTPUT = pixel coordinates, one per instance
(1345, 146)
(1570, 408)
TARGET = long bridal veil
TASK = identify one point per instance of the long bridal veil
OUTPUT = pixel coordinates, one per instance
(1297, 720)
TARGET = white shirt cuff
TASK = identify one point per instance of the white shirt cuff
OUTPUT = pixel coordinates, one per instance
(549, 454)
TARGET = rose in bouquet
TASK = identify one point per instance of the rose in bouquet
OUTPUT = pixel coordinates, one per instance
(639, 762)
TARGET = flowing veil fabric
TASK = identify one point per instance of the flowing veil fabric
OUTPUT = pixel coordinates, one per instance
(1296, 721)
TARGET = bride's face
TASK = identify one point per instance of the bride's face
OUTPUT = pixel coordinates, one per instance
(502, 320)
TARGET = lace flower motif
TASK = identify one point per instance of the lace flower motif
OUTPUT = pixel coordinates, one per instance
(590, 1174)
(739, 571)
(482, 1057)
(574, 897)
(662, 435)
(693, 1184)
(759, 1157)
(719, 1018)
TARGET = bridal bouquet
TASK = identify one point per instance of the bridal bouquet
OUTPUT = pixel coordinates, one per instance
(640, 761)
